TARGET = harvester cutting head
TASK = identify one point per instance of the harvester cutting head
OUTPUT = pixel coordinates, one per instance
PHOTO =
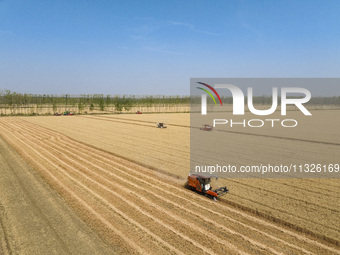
(201, 184)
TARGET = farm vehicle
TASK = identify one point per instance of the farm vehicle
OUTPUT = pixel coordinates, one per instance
(68, 113)
(161, 125)
(207, 127)
(202, 185)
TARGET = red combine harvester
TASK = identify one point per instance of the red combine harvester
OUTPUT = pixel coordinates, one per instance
(138, 112)
(206, 127)
(68, 113)
(202, 185)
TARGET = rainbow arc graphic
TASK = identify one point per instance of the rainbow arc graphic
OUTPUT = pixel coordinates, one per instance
(209, 93)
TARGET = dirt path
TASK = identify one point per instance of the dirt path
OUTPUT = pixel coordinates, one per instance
(136, 210)
(34, 219)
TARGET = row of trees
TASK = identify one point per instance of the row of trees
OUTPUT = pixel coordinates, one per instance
(12, 100)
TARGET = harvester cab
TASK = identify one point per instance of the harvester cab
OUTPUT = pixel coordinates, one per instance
(202, 184)
(161, 125)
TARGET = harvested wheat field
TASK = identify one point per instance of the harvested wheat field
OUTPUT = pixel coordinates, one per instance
(124, 178)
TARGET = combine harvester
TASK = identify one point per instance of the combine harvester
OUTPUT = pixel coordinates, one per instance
(207, 127)
(68, 113)
(201, 184)
(161, 125)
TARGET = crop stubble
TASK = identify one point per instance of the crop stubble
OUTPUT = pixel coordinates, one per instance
(133, 208)
(309, 204)
(107, 180)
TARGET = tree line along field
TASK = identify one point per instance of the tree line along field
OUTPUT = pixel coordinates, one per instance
(134, 208)
(13, 103)
(309, 205)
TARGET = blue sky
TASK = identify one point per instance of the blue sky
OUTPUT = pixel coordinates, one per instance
(155, 47)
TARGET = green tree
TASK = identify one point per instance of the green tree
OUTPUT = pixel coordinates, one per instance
(101, 104)
(118, 104)
(80, 107)
(91, 107)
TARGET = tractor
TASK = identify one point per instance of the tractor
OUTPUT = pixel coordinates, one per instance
(201, 184)
(138, 112)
